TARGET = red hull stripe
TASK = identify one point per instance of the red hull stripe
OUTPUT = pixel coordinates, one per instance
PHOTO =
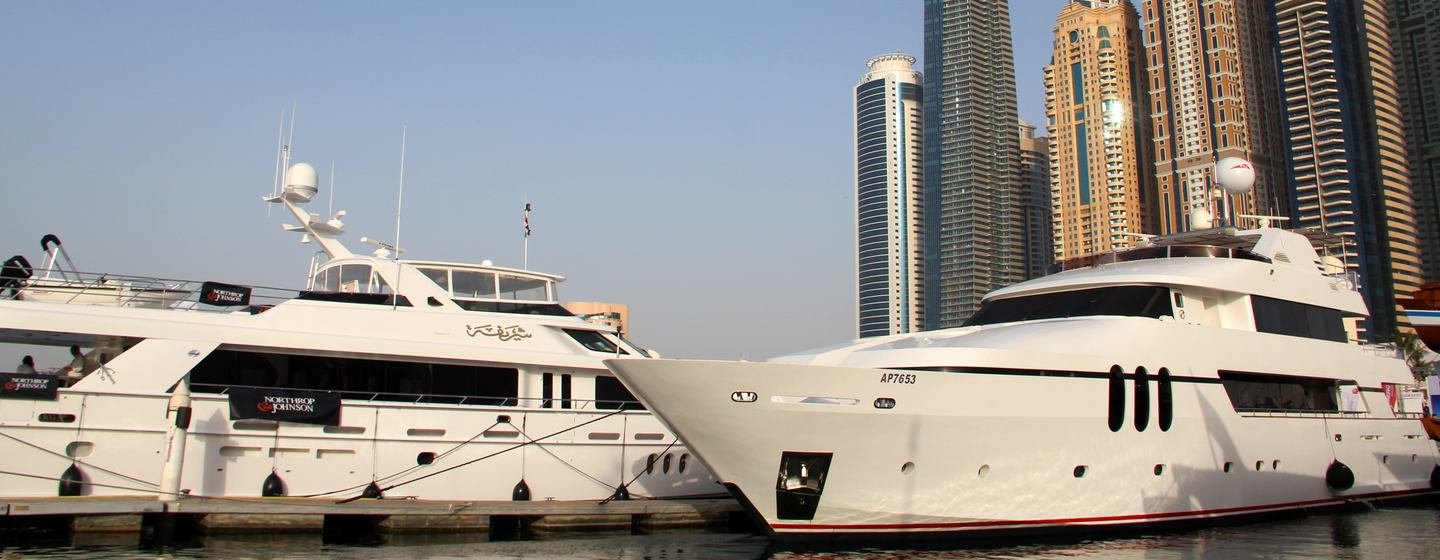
(800, 527)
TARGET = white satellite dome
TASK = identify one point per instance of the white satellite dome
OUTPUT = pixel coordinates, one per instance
(1200, 218)
(301, 183)
(1235, 175)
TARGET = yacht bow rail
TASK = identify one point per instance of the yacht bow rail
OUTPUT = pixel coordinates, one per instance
(119, 290)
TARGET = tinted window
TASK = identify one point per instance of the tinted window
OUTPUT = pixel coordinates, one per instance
(594, 341)
(1131, 301)
(529, 289)
(1262, 392)
(383, 380)
(610, 394)
(1278, 316)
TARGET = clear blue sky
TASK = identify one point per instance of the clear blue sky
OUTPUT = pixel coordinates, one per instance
(694, 160)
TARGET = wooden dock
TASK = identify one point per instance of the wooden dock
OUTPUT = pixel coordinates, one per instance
(300, 515)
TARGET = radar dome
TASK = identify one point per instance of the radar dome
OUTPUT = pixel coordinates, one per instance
(1235, 175)
(1200, 218)
(301, 183)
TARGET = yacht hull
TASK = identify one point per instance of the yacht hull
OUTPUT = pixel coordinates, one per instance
(1000, 451)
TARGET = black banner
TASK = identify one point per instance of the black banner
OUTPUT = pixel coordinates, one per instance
(28, 386)
(224, 295)
(285, 405)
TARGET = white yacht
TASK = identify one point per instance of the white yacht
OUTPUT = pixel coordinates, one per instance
(383, 378)
(1213, 374)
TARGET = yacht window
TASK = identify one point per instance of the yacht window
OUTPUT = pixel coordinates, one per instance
(1130, 301)
(565, 400)
(1256, 392)
(440, 276)
(610, 394)
(377, 380)
(1277, 316)
(548, 390)
(350, 279)
(594, 341)
(529, 289)
(473, 284)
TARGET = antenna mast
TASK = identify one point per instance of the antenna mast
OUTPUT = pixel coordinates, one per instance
(399, 200)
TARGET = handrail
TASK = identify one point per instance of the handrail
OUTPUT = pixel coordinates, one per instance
(1157, 252)
(120, 290)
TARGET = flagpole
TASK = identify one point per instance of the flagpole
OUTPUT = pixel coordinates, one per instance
(526, 266)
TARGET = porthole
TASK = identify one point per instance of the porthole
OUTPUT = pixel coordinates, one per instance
(1080, 471)
(1259, 465)
(984, 471)
(1159, 470)
(1275, 465)
(665, 467)
(1142, 399)
(684, 462)
(425, 458)
(1384, 459)
(650, 463)
(1117, 398)
(1414, 458)
(1229, 465)
(59, 418)
(907, 468)
(1166, 404)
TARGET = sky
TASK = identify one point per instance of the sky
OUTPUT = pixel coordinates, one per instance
(692, 160)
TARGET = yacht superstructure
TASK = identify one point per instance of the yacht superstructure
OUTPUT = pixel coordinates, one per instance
(1209, 375)
(384, 377)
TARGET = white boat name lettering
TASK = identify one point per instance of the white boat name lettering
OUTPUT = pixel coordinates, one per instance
(906, 378)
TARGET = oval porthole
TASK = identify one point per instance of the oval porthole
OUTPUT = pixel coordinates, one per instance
(650, 463)
(1385, 459)
(1229, 465)
(1159, 470)
(907, 468)
(425, 458)
(1080, 471)
(1259, 465)
(1275, 465)
(1166, 399)
(665, 467)
(684, 462)
(1142, 399)
(984, 471)
(1117, 398)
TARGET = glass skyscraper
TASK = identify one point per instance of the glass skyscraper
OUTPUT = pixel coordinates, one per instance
(974, 224)
(1345, 143)
(889, 203)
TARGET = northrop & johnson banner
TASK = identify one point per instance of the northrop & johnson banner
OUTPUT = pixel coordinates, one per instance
(285, 405)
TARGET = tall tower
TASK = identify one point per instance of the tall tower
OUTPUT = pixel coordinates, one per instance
(889, 198)
(973, 224)
(1415, 32)
(1213, 95)
(1345, 143)
(1035, 197)
(1096, 100)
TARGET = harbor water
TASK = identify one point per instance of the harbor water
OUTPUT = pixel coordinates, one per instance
(1398, 533)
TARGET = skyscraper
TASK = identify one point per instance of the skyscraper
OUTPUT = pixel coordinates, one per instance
(1034, 176)
(889, 194)
(1345, 143)
(974, 231)
(1415, 32)
(1097, 104)
(1213, 95)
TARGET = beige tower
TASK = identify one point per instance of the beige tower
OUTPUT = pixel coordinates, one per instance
(1102, 178)
(1213, 95)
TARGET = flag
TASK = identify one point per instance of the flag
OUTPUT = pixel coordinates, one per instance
(527, 219)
